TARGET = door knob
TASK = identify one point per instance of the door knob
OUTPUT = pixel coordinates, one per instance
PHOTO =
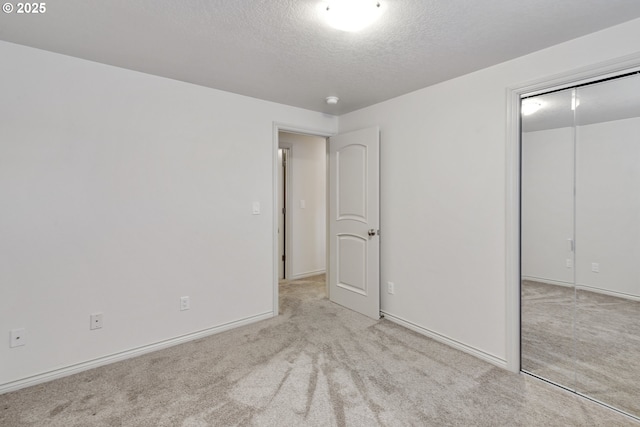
(372, 232)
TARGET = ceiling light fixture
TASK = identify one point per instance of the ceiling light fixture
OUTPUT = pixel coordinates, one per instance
(530, 106)
(332, 100)
(351, 15)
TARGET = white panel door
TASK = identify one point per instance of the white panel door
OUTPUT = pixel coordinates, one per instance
(354, 222)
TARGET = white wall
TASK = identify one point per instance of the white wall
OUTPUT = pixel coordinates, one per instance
(443, 192)
(607, 212)
(122, 192)
(547, 205)
(307, 169)
(608, 206)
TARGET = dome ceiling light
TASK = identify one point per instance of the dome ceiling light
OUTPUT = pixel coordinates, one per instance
(530, 106)
(351, 15)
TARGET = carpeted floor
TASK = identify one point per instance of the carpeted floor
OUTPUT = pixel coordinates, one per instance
(548, 349)
(603, 361)
(315, 365)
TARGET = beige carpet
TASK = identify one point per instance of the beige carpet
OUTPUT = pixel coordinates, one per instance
(315, 365)
(603, 361)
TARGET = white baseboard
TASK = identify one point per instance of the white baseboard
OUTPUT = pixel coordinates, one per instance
(608, 292)
(547, 281)
(501, 363)
(585, 288)
(127, 354)
(307, 274)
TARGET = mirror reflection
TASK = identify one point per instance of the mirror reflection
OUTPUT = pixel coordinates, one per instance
(580, 240)
(547, 237)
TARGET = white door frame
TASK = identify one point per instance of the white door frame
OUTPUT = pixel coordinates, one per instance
(277, 128)
(579, 76)
(287, 205)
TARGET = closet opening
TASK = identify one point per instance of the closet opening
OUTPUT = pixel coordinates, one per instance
(579, 196)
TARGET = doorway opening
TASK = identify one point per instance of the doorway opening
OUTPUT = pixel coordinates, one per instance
(300, 206)
(580, 292)
(515, 94)
(347, 172)
(574, 90)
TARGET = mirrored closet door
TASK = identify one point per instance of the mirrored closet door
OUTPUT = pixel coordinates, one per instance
(580, 240)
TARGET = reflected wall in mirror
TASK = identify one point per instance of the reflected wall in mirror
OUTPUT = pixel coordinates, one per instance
(547, 222)
(580, 240)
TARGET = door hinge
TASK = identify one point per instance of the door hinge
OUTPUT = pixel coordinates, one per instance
(284, 211)
(284, 257)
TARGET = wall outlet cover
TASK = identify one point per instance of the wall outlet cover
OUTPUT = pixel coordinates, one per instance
(95, 321)
(17, 337)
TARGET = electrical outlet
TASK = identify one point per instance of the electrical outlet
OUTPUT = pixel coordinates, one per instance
(569, 263)
(95, 321)
(184, 303)
(391, 288)
(18, 338)
(595, 267)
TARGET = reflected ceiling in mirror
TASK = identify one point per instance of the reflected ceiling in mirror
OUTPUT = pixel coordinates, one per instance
(596, 103)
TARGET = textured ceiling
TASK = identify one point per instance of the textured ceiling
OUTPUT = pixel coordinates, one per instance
(280, 50)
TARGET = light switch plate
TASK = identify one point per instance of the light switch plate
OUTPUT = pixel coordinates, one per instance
(184, 303)
(255, 208)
